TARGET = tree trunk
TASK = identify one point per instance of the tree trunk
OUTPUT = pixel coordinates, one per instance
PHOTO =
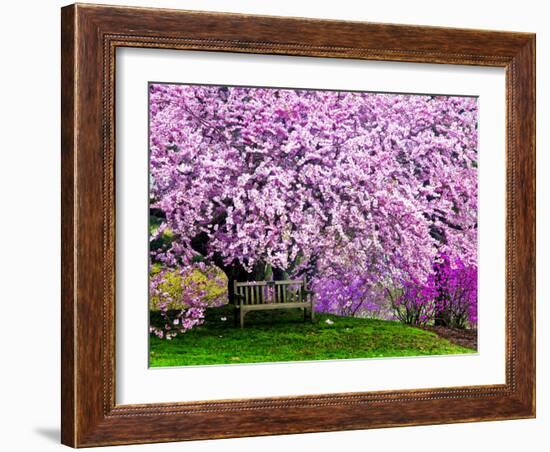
(279, 275)
(237, 272)
(231, 290)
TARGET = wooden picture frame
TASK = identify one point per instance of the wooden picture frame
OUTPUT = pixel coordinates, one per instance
(90, 36)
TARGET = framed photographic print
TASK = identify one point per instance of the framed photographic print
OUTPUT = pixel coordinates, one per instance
(280, 225)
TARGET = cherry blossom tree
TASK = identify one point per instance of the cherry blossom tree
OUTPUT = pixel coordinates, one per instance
(355, 187)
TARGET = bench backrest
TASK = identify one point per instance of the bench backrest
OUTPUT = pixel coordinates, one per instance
(264, 292)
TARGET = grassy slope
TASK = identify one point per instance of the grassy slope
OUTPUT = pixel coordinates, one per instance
(270, 336)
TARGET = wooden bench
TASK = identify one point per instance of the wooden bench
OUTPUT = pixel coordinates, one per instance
(266, 295)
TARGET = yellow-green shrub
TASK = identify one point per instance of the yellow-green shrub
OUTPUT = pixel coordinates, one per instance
(211, 280)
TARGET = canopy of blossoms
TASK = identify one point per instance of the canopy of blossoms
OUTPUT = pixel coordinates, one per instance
(362, 188)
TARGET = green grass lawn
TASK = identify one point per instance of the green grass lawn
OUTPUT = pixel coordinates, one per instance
(282, 335)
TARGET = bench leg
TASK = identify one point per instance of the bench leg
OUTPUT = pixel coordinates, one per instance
(242, 317)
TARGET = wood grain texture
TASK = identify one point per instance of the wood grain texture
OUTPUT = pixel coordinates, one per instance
(90, 36)
(68, 331)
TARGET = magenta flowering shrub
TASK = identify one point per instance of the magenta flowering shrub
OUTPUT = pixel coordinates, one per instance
(448, 296)
(354, 191)
(455, 289)
(355, 297)
(414, 304)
